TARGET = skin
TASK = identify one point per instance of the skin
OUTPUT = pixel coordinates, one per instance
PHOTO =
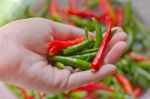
(24, 46)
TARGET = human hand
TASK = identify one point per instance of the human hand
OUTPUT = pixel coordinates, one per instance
(23, 59)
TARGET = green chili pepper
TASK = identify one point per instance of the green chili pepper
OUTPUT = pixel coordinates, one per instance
(144, 64)
(86, 34)
(88, 51)
(82, 22)
(59, 65)
(78, 47)
(77, 63)
(131, 37)
(84, 56)
(99, 34)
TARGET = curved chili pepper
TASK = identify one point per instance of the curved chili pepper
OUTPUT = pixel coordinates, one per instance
(144, 64)
(88, 51)
(137, 91)
(138, 57)
(77, 47)
(77, 63)
(98, 60)
(124, 82)
(84, 56)
(120, 15)
(99, 34)
(59, 65)
(108, 11)
(53, 50)
(83, 14)
(53, 9)
(56, 46)
(94, 86)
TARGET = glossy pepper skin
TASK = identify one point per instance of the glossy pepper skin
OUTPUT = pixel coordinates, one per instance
(56, 46)
(83, 14)
(124, 82)
(108, 11)
(94, 86)
(99, 34)
(77, 63)
(84, 56)
(77, 47)
(120, 15)
(98, 60)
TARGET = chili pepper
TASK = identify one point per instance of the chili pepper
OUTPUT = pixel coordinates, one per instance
(24, 92)
(59, 65)
(80, 22)
(124, 82)
(53, 50)
(83, 14)
(77, 47)
(83, 56)
(73, 4)
(137, 91)
(53, 12)
(53, 9)
(144, 64)
(98, 60)
(56, 46)
(131, 36)
(86, 34)
(77, 63)
(94, 86)
(65, 44)
(138, 57)
(88, 51)
(99, 34)
(120, 15)
(108, 11)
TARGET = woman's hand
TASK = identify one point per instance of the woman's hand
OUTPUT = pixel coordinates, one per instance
(23, 55)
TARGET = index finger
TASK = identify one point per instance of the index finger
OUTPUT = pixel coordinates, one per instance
(65, 32)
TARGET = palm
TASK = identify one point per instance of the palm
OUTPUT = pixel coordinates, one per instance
(31, 44)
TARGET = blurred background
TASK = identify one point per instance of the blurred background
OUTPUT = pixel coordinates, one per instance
(134, 19)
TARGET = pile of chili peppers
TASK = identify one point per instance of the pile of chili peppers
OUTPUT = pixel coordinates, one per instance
(133, 75)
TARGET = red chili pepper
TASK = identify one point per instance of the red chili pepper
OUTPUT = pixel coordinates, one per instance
(138, 57)
(53, 9)
(120, 15)
(53, 50)
(24, 93)
(73, 4)
(94, 86)
(125, 83)
(108, 11)
(137, 91)
(98, 60)
(56, 46)
(83, 14)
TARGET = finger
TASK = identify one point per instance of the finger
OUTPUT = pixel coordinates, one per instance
(80, 78)
(119, 36)
(65, 32)
(115, 53)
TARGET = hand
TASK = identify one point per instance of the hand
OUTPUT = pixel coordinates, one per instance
(23, 52)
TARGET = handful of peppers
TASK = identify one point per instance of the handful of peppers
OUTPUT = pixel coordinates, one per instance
(88, 52)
